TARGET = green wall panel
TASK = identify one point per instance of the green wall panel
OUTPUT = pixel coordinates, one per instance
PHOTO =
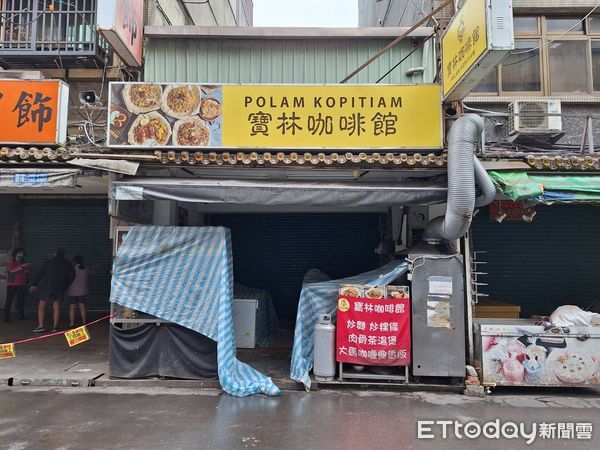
(279, 61)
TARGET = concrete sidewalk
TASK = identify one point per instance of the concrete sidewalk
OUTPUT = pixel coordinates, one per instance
(51, 362)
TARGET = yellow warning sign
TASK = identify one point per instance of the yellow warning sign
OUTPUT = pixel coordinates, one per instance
(77, 336)
(7, 351)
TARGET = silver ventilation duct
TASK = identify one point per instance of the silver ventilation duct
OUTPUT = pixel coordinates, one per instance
(463, 169)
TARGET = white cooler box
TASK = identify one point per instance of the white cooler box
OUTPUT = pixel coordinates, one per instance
(516, 352)
(244, 322)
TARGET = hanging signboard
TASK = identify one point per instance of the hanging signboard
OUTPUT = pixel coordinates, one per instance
(33, 112)
(479, 36)
(275, 116)
(373, 331)
(122, 24)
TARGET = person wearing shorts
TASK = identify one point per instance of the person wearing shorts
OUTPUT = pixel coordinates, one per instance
(78, 291)
(57, 274)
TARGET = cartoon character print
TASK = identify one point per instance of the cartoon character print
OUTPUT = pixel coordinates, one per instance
(534, 363)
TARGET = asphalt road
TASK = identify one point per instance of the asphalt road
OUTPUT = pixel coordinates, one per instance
(90, 418)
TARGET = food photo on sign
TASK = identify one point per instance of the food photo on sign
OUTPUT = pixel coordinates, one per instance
(161, 115)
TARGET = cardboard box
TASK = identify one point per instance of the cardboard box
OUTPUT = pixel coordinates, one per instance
(492, 309)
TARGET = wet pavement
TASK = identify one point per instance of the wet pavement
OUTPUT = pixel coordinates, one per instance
(190, 418)
(49, 361)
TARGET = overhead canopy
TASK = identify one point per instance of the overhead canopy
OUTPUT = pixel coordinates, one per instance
(534, 188)
(109, 165)
(37, 178)
(281, 193)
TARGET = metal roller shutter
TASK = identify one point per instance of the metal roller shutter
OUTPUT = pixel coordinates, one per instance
(274, 251)
(540, 266)
(79, 226)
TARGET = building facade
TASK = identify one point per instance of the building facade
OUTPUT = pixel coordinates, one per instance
(61, 41)
(556, 58)
(200, 13)
(266, 195)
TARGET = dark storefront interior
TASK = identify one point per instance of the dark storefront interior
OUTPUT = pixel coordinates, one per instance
(541, 265)
(274, 251)
(80, 226)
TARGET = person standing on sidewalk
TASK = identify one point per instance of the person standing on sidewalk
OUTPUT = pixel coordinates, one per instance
(16, 284)
(78, 291)
(57, 273)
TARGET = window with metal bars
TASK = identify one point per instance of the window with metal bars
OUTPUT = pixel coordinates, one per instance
(61, 28)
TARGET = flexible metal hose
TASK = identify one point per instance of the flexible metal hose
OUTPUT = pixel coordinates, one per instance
(463, 168)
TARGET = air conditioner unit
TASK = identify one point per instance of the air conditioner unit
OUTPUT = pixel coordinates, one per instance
(538, 117)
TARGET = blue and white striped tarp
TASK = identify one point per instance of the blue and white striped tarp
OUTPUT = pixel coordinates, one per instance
(267, 322)
(185, 275)
(319, 296)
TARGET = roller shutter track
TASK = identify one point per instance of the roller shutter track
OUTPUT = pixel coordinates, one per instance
(79, 226)
(274, 251)
(553, 261)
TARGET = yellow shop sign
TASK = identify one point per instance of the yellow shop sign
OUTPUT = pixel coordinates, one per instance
(275, 116)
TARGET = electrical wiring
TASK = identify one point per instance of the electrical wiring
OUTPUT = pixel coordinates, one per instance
(519, 61)
(387, 11)
(426, 257)
(162, 12)
(87, 134)
(405, 58)
(403, 13)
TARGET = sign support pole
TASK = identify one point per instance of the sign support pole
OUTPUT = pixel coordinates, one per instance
(397, 40)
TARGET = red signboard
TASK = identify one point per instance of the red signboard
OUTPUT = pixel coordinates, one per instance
(373, 332)
(122, 23)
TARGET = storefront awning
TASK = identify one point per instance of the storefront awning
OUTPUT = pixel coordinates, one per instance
(38, 178)
(281, 193)
(534, 188)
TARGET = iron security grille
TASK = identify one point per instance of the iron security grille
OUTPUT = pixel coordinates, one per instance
(50, 34)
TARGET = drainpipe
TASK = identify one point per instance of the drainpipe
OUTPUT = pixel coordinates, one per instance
(463, 169)
(419, 70)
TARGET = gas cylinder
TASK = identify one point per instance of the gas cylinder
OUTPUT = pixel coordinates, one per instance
(324, 363)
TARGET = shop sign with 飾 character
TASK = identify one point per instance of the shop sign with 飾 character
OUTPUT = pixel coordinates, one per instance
(122, 24)
(33, 112)
(184, 115)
